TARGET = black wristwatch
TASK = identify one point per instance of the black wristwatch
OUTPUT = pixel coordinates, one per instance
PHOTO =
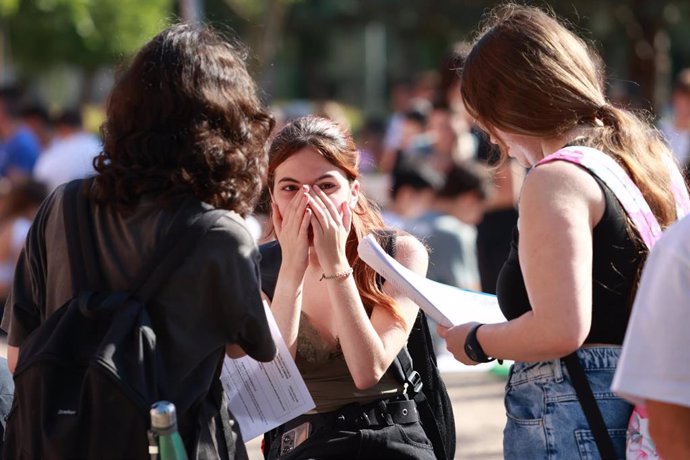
(473, 349)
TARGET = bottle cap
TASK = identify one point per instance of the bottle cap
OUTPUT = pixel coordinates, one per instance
(163, 415)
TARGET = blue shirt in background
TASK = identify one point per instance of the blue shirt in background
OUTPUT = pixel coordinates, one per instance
(20, 152)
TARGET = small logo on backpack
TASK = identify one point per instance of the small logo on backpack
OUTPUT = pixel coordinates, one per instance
(66, 412)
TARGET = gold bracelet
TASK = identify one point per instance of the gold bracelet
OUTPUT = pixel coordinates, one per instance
(343, 274)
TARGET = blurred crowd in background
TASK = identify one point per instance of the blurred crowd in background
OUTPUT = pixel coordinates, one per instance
(432, 171)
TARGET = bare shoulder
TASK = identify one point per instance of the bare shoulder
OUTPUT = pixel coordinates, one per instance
(562, 187)
(561, 176)
(410, 252)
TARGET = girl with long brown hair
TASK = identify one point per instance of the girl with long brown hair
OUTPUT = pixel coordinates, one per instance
(567, 285)
(343, 326)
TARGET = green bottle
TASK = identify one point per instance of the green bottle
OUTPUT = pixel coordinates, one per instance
(164, 425)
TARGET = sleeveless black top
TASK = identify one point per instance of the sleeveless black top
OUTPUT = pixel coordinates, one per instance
(615, 270)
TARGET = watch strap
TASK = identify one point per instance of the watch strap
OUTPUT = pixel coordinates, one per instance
(473, 348)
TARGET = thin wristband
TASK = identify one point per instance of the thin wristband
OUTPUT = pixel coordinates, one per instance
(343, 274)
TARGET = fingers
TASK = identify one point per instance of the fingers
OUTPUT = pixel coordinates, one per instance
(326, 212)
(294, 212)
(298, 203)
(327, 203)
(306, 221)
(442, 331)
(321, 220)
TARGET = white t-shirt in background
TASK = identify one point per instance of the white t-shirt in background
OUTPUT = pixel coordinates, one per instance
(655, 363)
(67, 159)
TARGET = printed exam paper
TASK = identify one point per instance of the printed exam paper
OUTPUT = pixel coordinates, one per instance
(263, 396)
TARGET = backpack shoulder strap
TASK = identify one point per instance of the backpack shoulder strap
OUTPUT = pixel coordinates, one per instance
(614, 176)
(403, 366)
(83, 260)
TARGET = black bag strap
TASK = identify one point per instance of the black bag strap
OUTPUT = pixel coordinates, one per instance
(185, 231)
(84, 266)
(589, 407)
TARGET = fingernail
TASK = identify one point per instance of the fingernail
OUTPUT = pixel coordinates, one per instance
(317, 187)
(305, 187)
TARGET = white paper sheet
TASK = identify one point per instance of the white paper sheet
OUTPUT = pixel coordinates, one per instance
(447, 305)
(263, 396)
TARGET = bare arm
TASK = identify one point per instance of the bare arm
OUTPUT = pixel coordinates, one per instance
(12, 356)
(669, 425)
(371, 345)
(292, 232)
(559, 206)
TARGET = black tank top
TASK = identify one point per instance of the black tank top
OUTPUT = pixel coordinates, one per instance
(615, 270)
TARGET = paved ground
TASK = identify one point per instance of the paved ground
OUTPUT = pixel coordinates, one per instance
(479, 415)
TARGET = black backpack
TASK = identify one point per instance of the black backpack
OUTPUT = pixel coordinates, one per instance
(87, 376)
(415, 365)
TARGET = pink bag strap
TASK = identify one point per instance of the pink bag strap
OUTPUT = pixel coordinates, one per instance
(628, 194)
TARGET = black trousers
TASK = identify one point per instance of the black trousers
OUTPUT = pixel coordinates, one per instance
(382, 434)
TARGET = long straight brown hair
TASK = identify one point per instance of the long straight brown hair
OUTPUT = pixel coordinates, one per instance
(528, 74)
(335, 144)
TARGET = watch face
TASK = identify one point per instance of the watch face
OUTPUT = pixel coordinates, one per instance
(470, 352)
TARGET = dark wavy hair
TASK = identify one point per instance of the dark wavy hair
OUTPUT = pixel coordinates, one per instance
(184, 117)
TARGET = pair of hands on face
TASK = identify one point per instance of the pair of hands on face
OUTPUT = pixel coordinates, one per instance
(455, 341)
(312, 208)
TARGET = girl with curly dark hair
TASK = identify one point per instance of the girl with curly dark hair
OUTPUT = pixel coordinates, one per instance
(185, 135)
(184, 117)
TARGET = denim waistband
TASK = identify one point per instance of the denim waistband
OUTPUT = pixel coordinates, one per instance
(591, 358)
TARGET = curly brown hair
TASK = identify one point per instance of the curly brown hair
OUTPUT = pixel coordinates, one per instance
(184, 117)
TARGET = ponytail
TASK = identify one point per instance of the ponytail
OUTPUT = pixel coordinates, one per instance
(638, 147)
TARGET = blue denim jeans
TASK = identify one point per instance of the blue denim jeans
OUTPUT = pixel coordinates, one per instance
(544, 417)
(6, 395)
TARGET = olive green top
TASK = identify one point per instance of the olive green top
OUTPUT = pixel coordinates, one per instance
(326, 375)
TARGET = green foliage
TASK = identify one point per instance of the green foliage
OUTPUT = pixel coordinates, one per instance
(8, 7)
(253, 10)
(86, 33)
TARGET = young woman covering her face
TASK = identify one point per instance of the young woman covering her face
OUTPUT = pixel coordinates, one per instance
(568, 283)
(342, 326)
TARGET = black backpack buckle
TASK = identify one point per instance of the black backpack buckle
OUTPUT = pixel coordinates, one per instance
(414, 380)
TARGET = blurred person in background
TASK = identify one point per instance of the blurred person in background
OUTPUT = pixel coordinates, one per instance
(400, 96)
(495, 230)
(413, 187)
(19, 146)
(70, 156)
(676, 128)
(449, 227)
(18, 205)
(408, 123)
(370, 140)
(446, 141)
(567, 286)
(37, 118)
